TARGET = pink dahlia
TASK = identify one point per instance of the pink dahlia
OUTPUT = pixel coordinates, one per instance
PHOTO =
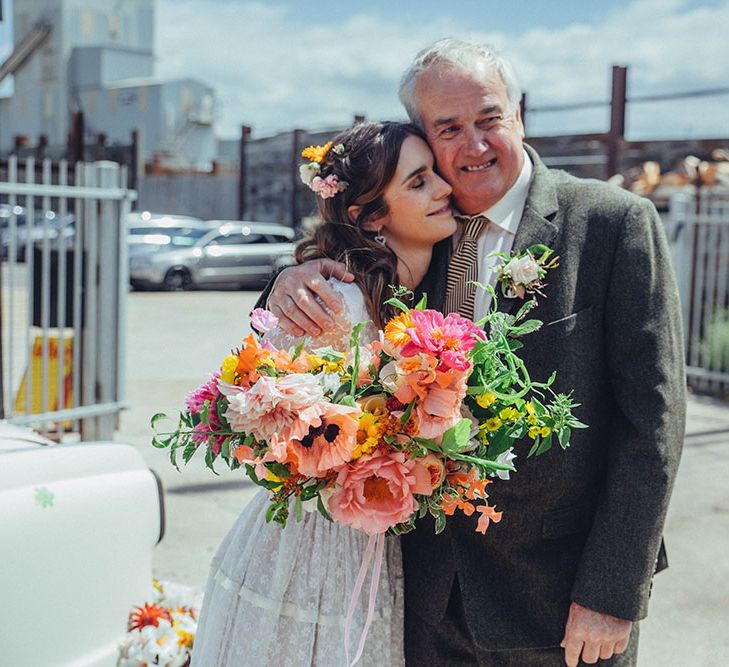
(450, 338)
(208, 391)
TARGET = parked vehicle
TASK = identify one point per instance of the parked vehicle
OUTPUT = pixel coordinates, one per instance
(232, 253)
(78, 523)
(45, 224)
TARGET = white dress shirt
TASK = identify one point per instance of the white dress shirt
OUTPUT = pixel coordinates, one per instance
(499, 234)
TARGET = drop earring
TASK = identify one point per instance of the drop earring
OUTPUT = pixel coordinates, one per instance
(380, 238)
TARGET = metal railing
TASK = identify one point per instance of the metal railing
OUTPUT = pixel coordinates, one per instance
(698, 229)
(63, 291)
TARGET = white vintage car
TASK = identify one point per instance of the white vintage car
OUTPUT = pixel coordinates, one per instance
(78, 524)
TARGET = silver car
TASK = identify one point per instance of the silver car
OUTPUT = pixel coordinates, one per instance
(232, 253)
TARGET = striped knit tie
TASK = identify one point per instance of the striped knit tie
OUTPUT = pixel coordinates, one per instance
(460, 295)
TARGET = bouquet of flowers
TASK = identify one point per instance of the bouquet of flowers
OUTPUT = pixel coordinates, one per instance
(377, 435)
(161, 632)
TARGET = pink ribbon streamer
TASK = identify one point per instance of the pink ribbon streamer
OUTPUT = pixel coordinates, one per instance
(376, 542)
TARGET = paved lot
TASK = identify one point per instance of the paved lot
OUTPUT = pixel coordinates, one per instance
(176, 339)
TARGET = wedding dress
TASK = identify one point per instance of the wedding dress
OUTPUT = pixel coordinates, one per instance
(279, 597)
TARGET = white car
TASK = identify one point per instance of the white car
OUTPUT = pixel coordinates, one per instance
(78, 524)
(228, 253)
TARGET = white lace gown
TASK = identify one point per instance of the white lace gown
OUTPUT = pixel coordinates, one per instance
(279, 597)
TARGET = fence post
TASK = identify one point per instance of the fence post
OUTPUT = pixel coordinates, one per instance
(617, 118)
(245, 135)
(295, 151)
(108, 273)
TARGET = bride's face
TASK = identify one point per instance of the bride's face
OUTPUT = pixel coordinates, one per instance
(418, 200)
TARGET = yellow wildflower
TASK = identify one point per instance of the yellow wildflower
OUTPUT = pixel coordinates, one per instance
(369, 432)
(531, 414)
(545, 431)
(509, 414)
(396, 329)
(319, 364)
(270, 477)
(483, 434)
(534, 431)
(493, 424)
(316, 153)
(484, 400)
(227, 368)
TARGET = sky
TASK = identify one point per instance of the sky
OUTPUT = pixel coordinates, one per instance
(280, 64)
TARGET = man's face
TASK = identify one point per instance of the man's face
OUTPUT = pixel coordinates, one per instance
(476, 137)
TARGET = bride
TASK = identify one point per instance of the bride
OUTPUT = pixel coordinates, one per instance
(280, 596)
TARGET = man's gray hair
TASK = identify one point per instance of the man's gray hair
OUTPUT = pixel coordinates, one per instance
(465, 55)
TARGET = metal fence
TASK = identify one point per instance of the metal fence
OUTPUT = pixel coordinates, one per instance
(63, 293)
(698, 228)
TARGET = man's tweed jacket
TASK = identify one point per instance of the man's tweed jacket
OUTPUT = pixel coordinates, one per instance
(584, 524)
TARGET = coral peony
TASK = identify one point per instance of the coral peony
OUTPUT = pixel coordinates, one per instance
(376, 493)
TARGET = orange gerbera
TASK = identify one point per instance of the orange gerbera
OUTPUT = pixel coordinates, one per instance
(150, 614)
(316, 153)
(396, 329)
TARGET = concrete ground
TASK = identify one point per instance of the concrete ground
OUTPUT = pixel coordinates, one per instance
(174, 340)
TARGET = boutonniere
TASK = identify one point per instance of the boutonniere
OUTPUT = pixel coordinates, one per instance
(523, 273)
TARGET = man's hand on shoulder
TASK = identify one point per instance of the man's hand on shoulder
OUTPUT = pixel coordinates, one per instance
(293, 296)
(593, 636)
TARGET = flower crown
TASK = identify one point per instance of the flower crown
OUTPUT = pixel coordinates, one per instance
(309, 172)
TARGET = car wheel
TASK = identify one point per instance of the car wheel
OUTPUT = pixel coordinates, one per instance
(177, 279)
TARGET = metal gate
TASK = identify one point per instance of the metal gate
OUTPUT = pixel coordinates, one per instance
(698, 228)
(63, 295)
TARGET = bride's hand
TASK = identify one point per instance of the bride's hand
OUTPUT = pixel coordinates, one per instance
(293, 298)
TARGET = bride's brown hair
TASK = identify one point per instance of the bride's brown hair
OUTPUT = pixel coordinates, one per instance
(368, 164)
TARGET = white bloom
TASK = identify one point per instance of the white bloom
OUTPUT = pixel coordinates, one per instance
(523, 271)
(329, 382)
(308, 171)
(505, 457)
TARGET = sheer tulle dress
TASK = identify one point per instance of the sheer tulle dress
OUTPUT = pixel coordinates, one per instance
(279, 597)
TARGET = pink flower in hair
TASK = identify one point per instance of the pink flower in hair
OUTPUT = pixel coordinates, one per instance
(329, 186)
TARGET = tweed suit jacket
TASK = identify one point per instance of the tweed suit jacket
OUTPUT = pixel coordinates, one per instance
(584, 524)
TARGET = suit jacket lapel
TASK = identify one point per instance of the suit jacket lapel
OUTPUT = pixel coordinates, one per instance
(539, 222)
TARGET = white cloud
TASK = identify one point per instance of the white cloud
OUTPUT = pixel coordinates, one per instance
(273, 74)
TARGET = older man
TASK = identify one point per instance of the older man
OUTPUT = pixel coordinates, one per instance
(567, 572)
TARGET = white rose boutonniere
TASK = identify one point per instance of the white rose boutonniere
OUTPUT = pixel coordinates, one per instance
(523, 273)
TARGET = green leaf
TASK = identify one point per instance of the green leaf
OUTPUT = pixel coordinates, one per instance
(545, 446)
(563, 436)
(225, 448)
(157, 418)
(348, 400)
(423, 303)
(428, 444)
(322, 509)
(328, 353)
(455, 439)
(189, 450)
(210, 458)
(440, 522)
(407, 413)
(297, 351)
(398, 304)
(279, 469)
(205, 412)
(271, 511)
(534, 448)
